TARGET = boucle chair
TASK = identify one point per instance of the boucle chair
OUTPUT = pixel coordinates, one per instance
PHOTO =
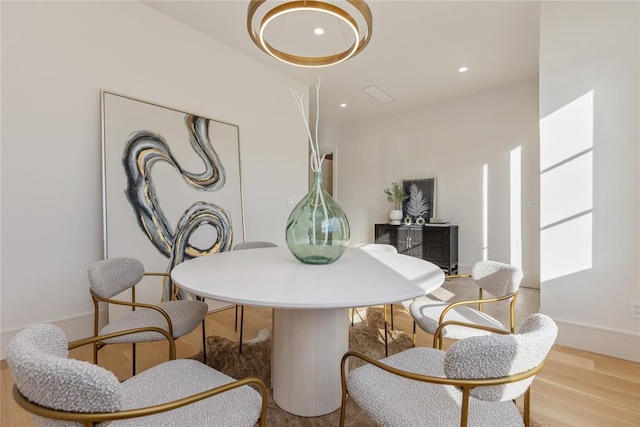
(239, 247)
(434, 316)
(59, 391)
(474, 382)
(112, 276)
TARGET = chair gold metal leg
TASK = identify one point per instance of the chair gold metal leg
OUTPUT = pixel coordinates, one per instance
(355, 312)
(512, 314)
(391, 307)
(343, 408)
(413, 340)
(134, 358)
(96, 310)
(466, 391)
(241, 327)
(204, 343)
(386, 341)
(527, 406)
(343, 380)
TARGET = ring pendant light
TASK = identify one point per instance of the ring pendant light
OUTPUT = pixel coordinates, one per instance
(361, 40)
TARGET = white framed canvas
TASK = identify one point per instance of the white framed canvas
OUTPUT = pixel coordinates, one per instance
(171, 187)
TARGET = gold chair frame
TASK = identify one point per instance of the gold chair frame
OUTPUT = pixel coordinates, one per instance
(97, 345)
(437, 336)
(465, 384)
(89, 419)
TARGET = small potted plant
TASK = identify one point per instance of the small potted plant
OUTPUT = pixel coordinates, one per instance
(397, 195)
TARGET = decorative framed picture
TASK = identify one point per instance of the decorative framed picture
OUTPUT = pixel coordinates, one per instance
(420, 207)
(171, 186)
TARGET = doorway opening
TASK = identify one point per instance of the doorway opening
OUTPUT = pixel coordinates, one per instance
(330, 171)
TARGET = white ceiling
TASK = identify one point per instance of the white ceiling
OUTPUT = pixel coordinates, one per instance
(414, 54)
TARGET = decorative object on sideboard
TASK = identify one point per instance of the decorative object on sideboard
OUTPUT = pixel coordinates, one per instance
(397, 195)
(317, 229)
(422, 199)
(395, 216)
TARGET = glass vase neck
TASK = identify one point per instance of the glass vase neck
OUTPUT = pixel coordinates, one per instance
(317, 179)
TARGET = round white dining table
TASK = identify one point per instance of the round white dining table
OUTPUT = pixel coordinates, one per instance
(310, 302)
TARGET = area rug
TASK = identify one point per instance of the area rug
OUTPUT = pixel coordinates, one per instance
(366, 336)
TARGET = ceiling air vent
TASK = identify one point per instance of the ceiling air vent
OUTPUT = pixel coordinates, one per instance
(377, 94)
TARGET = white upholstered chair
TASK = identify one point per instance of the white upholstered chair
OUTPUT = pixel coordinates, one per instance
(501, 280)
(61, 391)
(475, 382)
(239, 247)
(112, 276)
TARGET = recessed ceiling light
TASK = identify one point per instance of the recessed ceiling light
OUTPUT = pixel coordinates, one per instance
(318, 31)
(343, 105)
(463, 69)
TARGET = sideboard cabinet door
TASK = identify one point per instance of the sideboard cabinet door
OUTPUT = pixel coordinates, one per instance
(436, 244)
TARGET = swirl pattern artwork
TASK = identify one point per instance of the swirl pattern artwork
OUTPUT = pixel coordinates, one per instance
(180, 179)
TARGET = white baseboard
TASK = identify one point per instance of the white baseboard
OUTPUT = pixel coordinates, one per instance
(623, 345)
(74, 328)
(531, 281)
(464, 269)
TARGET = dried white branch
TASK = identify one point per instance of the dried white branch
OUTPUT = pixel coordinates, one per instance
(316, 160)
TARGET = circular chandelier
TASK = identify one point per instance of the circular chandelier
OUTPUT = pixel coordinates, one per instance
(261, 14)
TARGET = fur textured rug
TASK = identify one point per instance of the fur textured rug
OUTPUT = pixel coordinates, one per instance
(366, 337)
(255, 360)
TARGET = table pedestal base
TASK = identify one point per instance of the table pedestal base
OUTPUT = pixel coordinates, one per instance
(308, 346)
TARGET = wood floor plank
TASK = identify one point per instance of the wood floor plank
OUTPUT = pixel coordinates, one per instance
(562, 411)
(10, 413)
(596, 400)
(605, 364)
(557, 413)
(575, 388)
(575, 377)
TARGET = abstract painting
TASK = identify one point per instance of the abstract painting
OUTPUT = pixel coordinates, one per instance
(171, 185)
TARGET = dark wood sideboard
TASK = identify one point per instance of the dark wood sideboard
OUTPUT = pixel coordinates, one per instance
(435, 243)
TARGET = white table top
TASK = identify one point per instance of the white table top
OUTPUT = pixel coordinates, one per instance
(272, 277)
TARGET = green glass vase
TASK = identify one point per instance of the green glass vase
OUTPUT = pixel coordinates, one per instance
(317, 228)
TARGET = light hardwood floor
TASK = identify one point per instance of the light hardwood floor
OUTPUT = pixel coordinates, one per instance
(575, 388)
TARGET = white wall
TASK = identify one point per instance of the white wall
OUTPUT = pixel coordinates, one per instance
(56, 57)
(589, 99)
(450, 141)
